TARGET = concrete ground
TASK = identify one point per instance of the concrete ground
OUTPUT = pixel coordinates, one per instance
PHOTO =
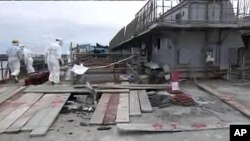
(209, 110)
(240, 91)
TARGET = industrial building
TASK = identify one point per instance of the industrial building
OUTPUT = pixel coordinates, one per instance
(202, 36)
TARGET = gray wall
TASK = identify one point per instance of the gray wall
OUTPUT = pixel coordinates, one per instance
(233, 40)
(203, 11)
(181, 48)
(166, 53)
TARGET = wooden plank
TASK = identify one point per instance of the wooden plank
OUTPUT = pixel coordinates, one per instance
(145, 127)
(131, 88)
(11, 104)
(98, 116)
(227, 99)
(55, 107)
(8, 89)
(112, 91)
(134, 104)
(126, 85)
(111, 112)
(9, 93)
(20, 122)
(144, 101)
(78, 91)
(171, 127)
(34, 121)
(41, 113)
(29, 100)
(68, 89)
(123, 109)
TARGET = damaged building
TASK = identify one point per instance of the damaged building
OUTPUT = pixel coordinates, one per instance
(201, 36)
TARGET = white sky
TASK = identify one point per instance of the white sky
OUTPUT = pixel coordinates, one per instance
(37, 23)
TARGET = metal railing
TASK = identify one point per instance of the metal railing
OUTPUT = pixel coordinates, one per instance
(152, 11)
(192, 11)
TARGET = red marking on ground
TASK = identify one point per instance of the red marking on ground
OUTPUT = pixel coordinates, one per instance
(57, 103)
(157, 126)
(227, 98)
(111, 111)
(221, 123)
(199, 125)
(16, 104)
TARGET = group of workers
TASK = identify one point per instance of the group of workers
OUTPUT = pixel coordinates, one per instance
(53, 59)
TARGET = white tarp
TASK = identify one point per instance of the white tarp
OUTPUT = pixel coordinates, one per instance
(79, 69)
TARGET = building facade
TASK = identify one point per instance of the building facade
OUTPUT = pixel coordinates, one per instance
(202, 36)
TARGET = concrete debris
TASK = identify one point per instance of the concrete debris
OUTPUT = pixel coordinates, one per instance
(160, 101)
(183, 99)
(157, 76)
(104, 128)
(166, 68)
(73, 106)
(163, 99)
(80, 106)
(152, 65)
(167, 77)
(144, 79)
(89, 109)
(83, 115)
(150, 93)
(84, 124)
(70, 120)
(124, 77)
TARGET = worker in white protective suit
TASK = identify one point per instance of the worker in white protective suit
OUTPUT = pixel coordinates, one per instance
(14, 54)
(52, 58)
(28, 60)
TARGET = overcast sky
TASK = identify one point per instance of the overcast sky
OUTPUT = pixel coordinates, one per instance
(35, 24)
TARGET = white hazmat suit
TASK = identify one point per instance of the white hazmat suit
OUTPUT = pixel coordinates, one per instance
(52, 57)
(14, 56)
(28, 60)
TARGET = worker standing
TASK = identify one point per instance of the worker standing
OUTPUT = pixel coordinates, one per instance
(28, 60)
(52, 58)
(14, 54)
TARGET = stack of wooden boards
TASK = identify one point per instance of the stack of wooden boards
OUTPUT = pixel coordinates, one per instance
(34, 112)
(100, 88)
(118, 107)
